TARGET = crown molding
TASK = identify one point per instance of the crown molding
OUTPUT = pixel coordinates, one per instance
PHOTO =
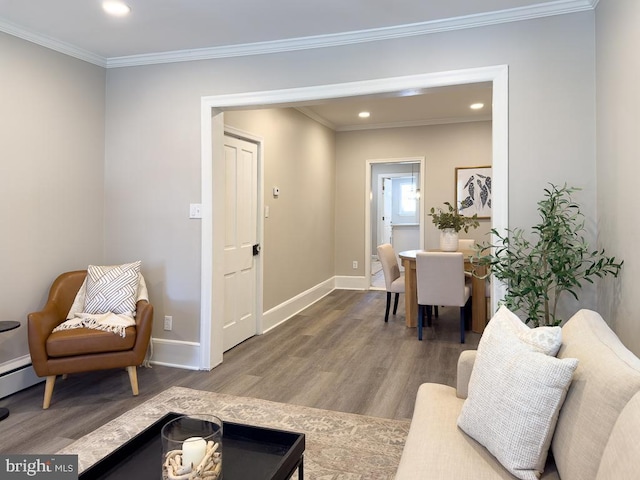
(376, 126)
(52, 43)
(558, 7)
(318, 118)
(415, 123)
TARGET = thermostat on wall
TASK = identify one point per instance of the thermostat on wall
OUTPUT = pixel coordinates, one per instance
(276, 191)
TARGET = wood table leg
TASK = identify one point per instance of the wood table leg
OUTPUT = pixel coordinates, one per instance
(478, 302)
(410, 293)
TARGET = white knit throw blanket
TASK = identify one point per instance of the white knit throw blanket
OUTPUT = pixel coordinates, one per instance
(108, 322)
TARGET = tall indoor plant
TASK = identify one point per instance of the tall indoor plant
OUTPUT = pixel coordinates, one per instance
(450, 222)
(553, 260)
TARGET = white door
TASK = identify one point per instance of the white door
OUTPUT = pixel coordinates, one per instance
(241, 234)
(387, 211)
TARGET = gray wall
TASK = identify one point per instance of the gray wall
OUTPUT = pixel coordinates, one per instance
(153, 128)
(152, 155)
(52, 120)
(444, 148)
(299, 158)
(618, 102)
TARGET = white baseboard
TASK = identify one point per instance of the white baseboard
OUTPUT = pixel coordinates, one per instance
(17, 375)
(283, 312)
(176, 353)
(351, 283)
(186, 355)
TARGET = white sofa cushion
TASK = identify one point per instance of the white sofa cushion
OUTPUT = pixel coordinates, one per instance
(621, 457)
(436, 448)
(516, 390)
(607, 377)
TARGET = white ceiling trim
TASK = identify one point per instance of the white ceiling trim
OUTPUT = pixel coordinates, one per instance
(375, 126)
(414, 123)
(559, 7)
(52, 43)
(318, 118)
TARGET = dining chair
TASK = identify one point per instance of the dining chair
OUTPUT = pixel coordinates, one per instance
(465, 244)
(394, 282)
(441, 281)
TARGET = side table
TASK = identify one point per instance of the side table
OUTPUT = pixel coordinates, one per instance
(5, 326)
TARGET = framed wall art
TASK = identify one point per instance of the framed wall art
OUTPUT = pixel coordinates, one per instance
(473, 191)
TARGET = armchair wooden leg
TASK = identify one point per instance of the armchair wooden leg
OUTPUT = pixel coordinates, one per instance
(133, 379)
(48, 391)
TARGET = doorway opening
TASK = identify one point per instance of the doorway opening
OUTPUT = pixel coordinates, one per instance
(212, 154)
(396, 210)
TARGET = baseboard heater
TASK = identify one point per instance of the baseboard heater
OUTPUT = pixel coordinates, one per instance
(18, 378)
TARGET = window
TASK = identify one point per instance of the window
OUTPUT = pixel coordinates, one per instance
(408, 199)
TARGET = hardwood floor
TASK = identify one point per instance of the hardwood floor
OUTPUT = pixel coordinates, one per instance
(338, 354)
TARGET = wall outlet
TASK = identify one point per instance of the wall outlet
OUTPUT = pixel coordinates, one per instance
(168, 322)
(355, 264)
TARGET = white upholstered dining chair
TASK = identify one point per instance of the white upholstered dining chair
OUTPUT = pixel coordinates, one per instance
(441, 281)
(394, 282)
(465, 244)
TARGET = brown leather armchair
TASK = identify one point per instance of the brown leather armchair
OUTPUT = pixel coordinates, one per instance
(83, 349)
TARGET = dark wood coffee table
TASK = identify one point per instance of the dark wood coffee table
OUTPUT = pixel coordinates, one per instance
(248, 452)
(5, 326)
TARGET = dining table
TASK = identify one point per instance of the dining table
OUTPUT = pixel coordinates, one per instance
(478, 288)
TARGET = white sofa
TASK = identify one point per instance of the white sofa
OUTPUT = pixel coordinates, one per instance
(597, 435)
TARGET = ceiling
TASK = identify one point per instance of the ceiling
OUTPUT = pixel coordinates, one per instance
(429, 107)
(160, 31)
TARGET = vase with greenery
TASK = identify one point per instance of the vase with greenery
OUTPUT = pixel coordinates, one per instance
(450, 222)
(554, 259)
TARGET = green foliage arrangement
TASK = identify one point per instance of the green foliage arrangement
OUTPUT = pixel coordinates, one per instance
(450, 218)
(557, 260)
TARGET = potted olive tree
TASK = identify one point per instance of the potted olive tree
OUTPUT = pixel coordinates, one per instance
(555, 258)
(450, 222)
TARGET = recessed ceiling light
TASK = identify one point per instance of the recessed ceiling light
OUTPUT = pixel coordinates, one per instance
(476, 106)
(116, 8)
(364, 114)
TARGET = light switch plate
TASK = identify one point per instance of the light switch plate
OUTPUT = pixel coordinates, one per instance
(195, 210)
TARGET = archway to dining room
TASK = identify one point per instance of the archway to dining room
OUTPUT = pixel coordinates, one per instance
(212, 117)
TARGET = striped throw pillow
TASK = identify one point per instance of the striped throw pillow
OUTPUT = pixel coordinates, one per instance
(112, 288)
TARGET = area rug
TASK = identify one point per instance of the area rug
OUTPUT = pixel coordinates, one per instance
(338, 445)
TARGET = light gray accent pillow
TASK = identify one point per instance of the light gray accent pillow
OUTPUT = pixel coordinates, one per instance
(78, 301)
(515, 393)
(112, 288)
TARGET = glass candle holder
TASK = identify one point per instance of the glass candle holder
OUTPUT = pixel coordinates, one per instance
(192, 448)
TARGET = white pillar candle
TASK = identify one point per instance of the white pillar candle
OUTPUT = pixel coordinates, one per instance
(193, 451)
